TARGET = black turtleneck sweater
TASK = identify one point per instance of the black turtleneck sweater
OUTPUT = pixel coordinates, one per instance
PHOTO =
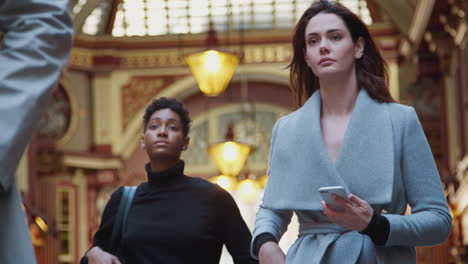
(178, 219)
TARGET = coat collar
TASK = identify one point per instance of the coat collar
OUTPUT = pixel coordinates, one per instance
(300, 162)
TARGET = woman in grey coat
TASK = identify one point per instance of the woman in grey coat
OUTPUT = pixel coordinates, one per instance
(348, 132)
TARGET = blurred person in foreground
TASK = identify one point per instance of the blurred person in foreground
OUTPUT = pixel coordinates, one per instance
(37, 38)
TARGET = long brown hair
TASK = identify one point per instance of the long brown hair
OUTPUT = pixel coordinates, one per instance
(371, 69)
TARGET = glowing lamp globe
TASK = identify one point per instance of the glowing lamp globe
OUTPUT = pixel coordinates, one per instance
(212, 69)
(229, 156)
(228, 183)
(248, 190)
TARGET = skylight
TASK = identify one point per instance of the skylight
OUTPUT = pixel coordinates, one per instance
(161, 17)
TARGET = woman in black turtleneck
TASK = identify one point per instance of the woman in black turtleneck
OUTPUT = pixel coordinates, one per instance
(173, 218)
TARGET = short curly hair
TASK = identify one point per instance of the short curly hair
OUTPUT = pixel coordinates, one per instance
(170, 103)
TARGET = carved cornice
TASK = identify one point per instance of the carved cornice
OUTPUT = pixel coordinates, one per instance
(448, 32)
(454, 22)
(97, 60)
(81, 58)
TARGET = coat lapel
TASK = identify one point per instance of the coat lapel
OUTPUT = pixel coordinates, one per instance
(366, 159)
(300, 163)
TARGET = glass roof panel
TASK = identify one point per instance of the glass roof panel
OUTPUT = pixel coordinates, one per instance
(91, 25)
(160, 17)
(96, 22)
(78, 6)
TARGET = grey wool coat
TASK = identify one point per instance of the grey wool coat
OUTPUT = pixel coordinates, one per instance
(38, 37)
(384, 159)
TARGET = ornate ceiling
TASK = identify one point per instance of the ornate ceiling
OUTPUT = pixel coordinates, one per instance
(180, 26)
(161, 17)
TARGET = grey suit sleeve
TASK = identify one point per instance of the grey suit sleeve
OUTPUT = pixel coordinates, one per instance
(268, 220)
(36, 45)
(429, 222)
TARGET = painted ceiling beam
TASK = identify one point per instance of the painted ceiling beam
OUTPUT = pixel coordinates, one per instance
(111, 20)
(80, 18)
(400, 12)
(411, 18)
(418, 26)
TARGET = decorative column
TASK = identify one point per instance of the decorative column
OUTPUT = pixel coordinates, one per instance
(106, 113)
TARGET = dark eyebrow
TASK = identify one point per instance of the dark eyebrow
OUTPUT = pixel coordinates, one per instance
(328, 32)
(169, 119)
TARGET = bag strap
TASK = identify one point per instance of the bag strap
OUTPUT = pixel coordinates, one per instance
(121, 218)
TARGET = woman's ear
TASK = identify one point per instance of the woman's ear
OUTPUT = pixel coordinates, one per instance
(142, 141)
(359, 48)
(186, 143)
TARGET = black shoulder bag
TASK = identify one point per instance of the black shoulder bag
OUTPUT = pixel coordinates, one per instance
(120, 219)
(115, 249)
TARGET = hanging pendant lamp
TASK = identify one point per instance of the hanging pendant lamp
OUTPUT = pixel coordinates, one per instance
(212, 68)
(229, 156)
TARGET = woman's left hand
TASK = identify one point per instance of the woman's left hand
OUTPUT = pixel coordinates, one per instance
(356, 213)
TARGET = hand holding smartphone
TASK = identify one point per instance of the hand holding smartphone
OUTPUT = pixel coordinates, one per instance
(327, 192)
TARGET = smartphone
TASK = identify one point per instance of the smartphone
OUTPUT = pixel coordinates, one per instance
(326, 193)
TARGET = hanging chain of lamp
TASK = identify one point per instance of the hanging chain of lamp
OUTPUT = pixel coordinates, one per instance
(212, 68)
(230, 157)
